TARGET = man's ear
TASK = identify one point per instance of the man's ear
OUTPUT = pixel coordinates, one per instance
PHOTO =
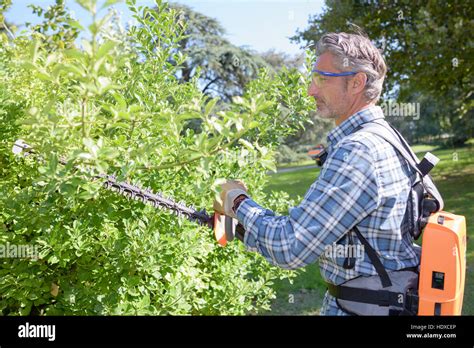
(357, 83)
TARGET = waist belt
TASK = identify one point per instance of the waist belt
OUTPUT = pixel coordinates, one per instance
(401, 299)
(398, 303)
(377, 297)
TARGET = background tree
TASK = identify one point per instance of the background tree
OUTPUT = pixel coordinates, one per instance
(279, 60)
(223, 69)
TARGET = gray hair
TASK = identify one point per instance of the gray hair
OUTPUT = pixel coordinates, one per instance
(355, 52)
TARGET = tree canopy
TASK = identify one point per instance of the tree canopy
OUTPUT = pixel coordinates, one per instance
(223, 68)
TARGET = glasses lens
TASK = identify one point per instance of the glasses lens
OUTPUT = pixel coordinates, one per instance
(317, 79)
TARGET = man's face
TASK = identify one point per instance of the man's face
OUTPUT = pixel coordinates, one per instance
(330, 93)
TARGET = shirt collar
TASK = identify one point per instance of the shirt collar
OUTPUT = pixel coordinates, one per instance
(347, 127)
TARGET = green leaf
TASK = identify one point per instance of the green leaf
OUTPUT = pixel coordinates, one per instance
(43, 75)
(264, 105)
(85, 195)
(105, 49)
(120, 100)
(246, 144)
(91, 146)
(53, 164)
(74, 53)
(269, 164)
(216, 124)
(86, 45)
(34, 47)
(88, 5)
(94, 28)
(210, 106)
(110, 3)
(75, 24)
(253, 124)
(53, 259)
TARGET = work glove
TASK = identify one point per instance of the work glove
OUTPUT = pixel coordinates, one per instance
(230, 190)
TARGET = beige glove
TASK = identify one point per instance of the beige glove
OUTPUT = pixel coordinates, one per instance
(230, 190)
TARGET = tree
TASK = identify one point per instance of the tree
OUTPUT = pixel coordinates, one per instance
(428, 49)
(223, 68)
(279, 60)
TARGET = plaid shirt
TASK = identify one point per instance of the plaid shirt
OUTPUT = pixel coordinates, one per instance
(364, 182)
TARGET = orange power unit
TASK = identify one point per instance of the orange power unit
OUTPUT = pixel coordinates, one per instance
(443, 265)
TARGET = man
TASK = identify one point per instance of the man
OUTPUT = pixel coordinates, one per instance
(364, 181)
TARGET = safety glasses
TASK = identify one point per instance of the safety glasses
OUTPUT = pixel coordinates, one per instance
(317, 76)
(325, 73)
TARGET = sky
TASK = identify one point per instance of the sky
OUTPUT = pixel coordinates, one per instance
(258, 24)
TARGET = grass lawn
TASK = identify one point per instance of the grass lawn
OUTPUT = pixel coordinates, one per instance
(454, 177)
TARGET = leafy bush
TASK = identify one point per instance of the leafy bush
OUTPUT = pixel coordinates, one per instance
(114, 105)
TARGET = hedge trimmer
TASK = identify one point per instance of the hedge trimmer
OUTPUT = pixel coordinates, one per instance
(225, 228)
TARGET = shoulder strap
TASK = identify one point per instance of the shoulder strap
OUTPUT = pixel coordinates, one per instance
(384, 130)
(374, 258)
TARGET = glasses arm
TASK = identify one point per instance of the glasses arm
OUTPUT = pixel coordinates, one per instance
(325, 73)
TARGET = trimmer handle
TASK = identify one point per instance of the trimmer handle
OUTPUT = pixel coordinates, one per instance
(226, 229)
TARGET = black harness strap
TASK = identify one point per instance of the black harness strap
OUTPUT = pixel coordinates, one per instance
(374, 258)
(376, 297)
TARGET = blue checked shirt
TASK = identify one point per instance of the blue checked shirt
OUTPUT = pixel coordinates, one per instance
(364, 182)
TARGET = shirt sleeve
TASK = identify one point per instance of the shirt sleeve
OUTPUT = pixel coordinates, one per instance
(345, 192)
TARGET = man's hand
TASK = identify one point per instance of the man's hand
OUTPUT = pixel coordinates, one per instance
(230, 190)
